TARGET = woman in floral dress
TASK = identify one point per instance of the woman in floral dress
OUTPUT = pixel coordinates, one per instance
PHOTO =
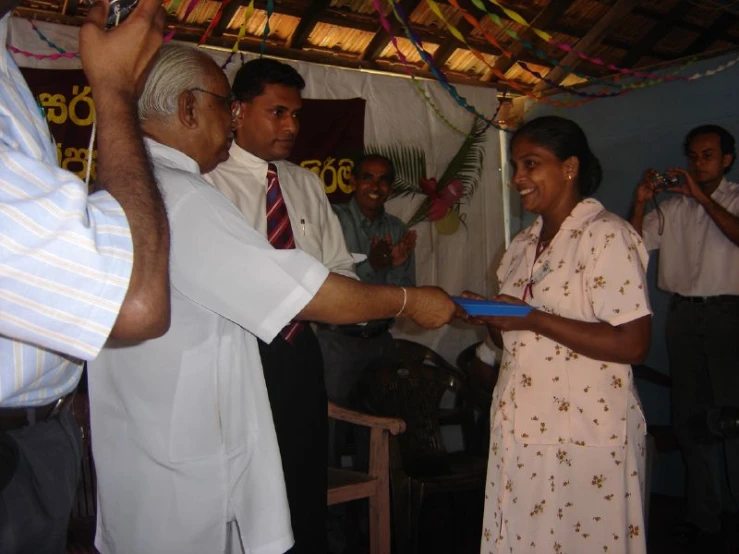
(567, 450)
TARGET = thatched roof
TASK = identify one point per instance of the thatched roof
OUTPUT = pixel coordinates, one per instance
(626, 33)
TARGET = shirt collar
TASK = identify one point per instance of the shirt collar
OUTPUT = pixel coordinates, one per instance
(583, 211)
(359, 216)
(248, 160)
(171, 157)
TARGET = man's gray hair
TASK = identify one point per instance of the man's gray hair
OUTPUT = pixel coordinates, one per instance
(176, 69)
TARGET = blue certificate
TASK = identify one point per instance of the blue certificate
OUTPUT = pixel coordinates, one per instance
(491, 307)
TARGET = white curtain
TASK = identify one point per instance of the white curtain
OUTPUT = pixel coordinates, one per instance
(395, 114)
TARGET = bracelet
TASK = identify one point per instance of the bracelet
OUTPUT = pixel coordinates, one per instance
(405, 299)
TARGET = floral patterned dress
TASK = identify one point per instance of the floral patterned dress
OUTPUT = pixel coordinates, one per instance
(567, 449)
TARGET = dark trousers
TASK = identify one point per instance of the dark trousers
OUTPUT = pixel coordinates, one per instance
(297, 394)
(36, 503)
(703, 347)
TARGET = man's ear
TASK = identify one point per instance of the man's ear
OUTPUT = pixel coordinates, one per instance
(187, 110)
(727, 160)
(239, 122)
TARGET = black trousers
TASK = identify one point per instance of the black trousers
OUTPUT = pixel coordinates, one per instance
(297, 394)
(703, 347)
(36, 503)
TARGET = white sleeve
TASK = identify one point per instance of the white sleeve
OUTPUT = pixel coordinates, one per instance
(220, 262)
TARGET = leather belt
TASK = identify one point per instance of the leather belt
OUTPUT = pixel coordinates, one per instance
(717, 299)
(359, 331)
(17, 418)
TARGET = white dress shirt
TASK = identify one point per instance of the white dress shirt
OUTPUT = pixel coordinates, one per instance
(183, 434)
(695, 257)
(243, 179)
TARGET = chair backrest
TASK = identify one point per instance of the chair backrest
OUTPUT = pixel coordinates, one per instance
(411, 388)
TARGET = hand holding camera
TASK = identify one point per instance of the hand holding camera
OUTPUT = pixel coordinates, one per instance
(117, 60)
(665, 181)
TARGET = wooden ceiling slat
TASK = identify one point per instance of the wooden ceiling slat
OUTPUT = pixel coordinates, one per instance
(307, 23)
(381, 39)
(546, 17)
(448, 47)
(70, 7)
(656, 33)
(592, 38)
(228, 14)
(711, 35)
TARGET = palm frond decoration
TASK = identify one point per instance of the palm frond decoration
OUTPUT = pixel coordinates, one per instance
(459, 180)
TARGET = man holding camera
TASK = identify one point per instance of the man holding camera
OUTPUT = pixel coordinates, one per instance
(697, 233)
(74, 269)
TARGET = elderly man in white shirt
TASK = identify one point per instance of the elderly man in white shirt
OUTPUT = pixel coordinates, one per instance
(697, 234)
(183, 439)
(269, 94)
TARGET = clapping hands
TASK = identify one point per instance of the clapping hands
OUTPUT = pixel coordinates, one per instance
(383, 253)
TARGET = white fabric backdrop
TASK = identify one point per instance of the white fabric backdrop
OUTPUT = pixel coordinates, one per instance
(394, 113)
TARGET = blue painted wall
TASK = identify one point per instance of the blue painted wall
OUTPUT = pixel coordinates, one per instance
(645, 128)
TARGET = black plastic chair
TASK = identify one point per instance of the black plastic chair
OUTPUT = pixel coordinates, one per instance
(411, 388)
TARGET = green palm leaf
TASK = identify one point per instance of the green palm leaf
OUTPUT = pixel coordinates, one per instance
(466, 165)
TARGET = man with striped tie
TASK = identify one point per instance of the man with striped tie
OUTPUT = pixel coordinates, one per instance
(74, 269)
(183, 438)
(288, 205)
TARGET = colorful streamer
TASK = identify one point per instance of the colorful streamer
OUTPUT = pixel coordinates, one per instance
(263, 44)
(242, 31)
(213, 22)
(561, 45)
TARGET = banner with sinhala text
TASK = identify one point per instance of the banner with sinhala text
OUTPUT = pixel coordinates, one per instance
(331, 132)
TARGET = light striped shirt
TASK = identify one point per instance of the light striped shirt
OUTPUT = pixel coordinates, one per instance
(65, 258)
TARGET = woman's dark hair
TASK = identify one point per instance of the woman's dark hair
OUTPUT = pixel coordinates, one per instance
(252, 76)
(564, 138)
(728, 146)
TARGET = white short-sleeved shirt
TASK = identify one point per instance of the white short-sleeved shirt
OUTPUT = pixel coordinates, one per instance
(695, 257)
(593, 270)
(243, 179)
(182, 428)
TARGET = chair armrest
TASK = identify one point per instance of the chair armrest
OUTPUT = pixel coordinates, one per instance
(392, 424)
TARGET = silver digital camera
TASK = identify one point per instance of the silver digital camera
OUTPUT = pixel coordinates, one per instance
(663, 181)
(119, 10)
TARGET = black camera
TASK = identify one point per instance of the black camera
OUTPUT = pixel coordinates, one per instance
(119, 10)
(663, 181)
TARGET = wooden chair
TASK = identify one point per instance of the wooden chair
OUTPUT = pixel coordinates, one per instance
(412, 387)
(346, 485)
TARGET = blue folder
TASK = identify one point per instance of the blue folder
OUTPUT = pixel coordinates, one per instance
(491, 307)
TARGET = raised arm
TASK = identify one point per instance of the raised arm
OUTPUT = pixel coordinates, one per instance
(644, 193)
(116, 63)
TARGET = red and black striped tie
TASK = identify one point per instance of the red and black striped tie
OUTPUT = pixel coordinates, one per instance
(279, 232)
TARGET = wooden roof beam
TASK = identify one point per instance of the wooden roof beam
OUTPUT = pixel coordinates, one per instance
(381, 39)
(658, 31)
(306, 24)
(70, 7)
(544, 20)
(586, 44)
(448, 47)
(711, 35)
(228, 14)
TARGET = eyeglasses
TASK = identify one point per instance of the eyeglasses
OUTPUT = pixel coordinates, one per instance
(230, 101)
